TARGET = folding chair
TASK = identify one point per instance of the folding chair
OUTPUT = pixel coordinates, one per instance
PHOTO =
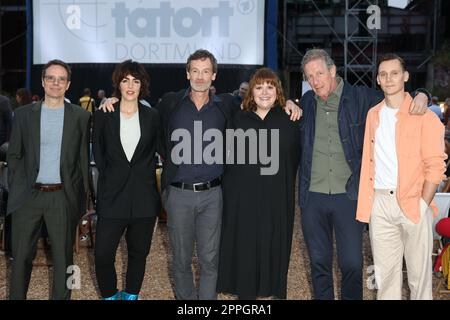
(2, 232)
(88, 220)
(3, 204)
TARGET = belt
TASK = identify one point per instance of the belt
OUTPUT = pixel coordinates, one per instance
(197, 187)
(48, 187)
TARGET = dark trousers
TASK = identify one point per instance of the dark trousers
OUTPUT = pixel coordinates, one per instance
(139, 232)
(26, 229)
(322, 215)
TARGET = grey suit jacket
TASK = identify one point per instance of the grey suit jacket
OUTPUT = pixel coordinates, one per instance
(24, 155)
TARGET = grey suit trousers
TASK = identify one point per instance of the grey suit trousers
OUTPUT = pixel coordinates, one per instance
(50, 207)
(194, 219)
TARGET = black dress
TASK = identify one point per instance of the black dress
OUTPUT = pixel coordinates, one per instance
(258, 214)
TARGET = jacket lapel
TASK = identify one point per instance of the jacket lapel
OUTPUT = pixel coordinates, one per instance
(142, 124)
(68, 128)
(116, 129)
(35, 128)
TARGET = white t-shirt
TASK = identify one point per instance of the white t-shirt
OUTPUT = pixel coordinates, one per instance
(386, 164)
(130, 133)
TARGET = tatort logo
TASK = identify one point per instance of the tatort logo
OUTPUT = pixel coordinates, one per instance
(163, 21)
(154, 31)
(159, 22)
(81, 19)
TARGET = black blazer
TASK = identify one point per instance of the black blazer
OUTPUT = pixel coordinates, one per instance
(126, 188)
(23, 156)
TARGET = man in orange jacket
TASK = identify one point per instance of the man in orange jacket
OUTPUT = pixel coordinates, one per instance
(402, 166)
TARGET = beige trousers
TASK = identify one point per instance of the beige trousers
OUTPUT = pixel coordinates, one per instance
(394, 237)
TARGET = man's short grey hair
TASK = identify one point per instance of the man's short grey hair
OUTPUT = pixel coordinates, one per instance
(314, 54)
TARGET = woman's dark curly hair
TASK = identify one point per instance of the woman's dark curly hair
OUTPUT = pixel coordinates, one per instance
(135, 69)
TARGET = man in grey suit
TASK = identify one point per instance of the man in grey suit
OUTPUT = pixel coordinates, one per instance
(48, 180)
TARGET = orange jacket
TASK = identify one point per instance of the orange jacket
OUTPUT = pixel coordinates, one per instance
(420, 155)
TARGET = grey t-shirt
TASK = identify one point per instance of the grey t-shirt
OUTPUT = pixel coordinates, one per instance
(52, 122)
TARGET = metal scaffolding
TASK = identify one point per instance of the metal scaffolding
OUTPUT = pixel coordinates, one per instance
(346, 29)
(360, 45)
(360, 42)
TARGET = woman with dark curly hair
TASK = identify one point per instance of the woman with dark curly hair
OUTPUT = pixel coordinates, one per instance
(124, 144)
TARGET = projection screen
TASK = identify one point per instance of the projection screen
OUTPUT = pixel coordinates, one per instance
(149, 31)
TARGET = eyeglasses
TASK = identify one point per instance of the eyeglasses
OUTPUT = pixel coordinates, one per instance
(53, 79)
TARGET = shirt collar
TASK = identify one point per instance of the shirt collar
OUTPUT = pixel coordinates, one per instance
(212, 97)
(340, 86)
(406, 103)
(404, 108)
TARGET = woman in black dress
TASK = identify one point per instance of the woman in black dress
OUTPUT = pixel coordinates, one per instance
(258, 216)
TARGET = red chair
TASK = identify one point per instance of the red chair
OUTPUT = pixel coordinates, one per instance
(442, 266)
